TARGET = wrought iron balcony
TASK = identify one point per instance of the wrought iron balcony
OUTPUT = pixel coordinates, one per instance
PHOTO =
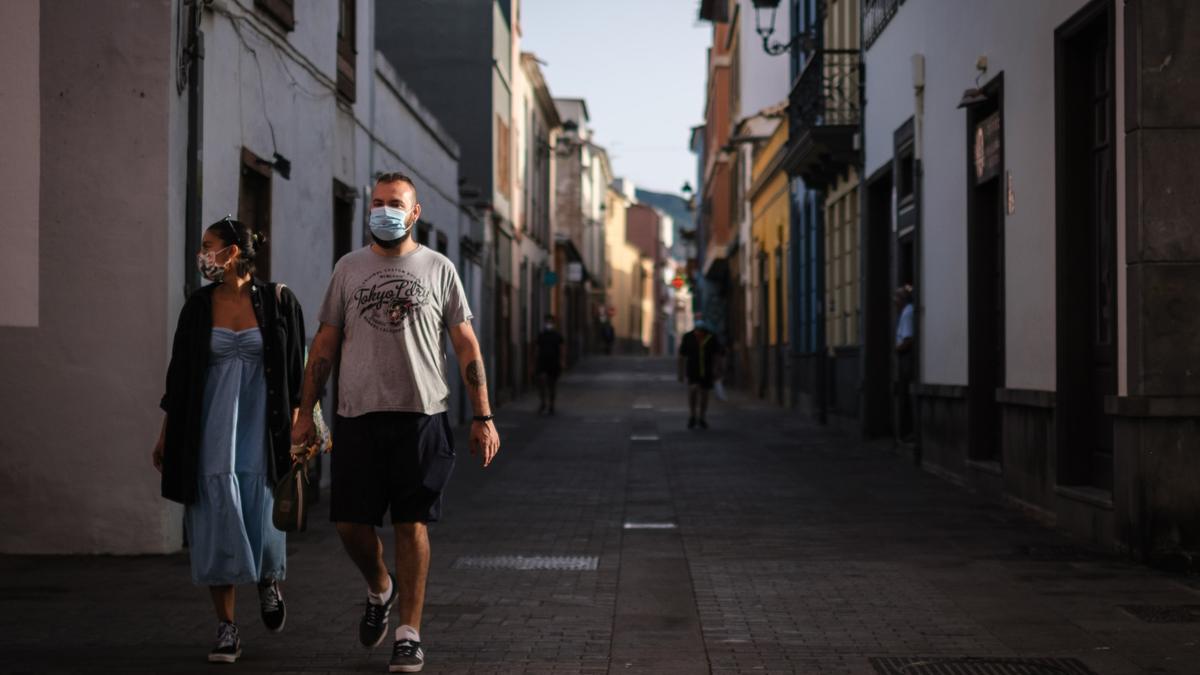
(824, 111)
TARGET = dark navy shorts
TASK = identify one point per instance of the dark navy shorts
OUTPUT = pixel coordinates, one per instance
(396, 461)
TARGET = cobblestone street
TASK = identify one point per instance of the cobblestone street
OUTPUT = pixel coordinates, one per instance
(764, 544)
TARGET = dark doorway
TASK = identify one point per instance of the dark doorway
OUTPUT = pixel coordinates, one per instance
(985, 273)
(779, 351)
(878, 322)
(343, 219)
(764, 324)
(524, 341)
(1086, 246)
(343, 236)
(908, 213)
(254, 205)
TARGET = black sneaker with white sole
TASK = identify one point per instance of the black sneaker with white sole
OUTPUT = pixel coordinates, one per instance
(270, 602)
(229, 645)
(373, 626)
(407, 657)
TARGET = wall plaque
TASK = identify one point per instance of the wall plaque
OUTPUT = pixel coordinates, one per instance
(988, 144)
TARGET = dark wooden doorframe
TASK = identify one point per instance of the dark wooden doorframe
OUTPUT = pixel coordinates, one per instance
(877, 315)
(779, 397)
(1086, 262)
(254, 205)
(764, 323)
(985, 287)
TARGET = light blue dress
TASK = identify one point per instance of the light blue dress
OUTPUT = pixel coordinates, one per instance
(230, 533)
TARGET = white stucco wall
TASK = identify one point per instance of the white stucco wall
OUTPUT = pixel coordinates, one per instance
(325, 139)
(765, 80)
(80, 413)
(20, 137)
(75, 471)
(1020, 43)
(409, 139)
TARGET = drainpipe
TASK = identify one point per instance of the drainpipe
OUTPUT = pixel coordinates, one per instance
(371, 111)
(865, 412)
(195, 145)
(823, 362)
(918, 82)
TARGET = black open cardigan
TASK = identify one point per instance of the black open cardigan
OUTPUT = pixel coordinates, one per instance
(282, 326)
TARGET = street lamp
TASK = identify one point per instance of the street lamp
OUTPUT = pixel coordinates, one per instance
(764, 25)
(975, 95)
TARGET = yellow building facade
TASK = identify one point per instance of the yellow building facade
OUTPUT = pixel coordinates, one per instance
(769, 205)
(627, 278)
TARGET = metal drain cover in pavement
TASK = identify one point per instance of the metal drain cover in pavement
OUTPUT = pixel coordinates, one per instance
(567, 563)
(979, 666)
(1165, 613)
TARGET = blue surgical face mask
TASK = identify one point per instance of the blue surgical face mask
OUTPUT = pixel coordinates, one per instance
(389, 224)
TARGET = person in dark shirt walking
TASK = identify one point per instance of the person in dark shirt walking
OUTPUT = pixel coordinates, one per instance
(700, 355)
(549, 364)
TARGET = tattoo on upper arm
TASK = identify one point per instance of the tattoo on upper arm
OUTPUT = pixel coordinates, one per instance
(475, 376)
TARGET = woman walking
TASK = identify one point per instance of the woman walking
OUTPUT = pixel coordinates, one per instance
(232, 389)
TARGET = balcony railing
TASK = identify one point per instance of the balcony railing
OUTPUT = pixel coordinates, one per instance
(876, 15)
(825, 108)
(829, 91)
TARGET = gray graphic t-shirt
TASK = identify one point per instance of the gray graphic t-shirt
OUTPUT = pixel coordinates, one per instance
(393, 312)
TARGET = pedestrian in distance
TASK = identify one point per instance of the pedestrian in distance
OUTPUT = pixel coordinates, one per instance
(233, 385)
(903, 298)
(700, 362)
(607, 334)
(384, 315)
(549, 364)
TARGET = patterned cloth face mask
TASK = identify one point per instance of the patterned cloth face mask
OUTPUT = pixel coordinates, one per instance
(206, 262)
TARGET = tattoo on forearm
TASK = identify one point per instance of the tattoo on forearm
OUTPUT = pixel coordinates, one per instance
(475, 376)
(319, 368)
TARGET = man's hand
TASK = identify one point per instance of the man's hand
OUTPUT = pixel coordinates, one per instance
(304, 430)
(485, 441)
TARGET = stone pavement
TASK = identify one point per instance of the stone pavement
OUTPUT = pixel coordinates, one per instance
(764, 544)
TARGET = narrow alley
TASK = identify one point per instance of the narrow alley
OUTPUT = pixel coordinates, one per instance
(611, 539)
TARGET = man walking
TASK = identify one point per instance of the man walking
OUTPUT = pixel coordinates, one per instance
(700, 360)
(383, 315)
(549, 364)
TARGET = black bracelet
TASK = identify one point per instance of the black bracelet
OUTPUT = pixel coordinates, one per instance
(483, 418)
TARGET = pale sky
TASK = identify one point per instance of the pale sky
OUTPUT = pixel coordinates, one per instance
(640, 64)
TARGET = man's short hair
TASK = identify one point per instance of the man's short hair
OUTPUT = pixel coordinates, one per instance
(395, 177)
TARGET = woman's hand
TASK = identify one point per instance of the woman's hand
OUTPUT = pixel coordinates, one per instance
(157, 455)
(303, 453)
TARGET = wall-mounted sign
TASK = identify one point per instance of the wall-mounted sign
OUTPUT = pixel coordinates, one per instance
(988, 144)
(574, 272)
(550, 278)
